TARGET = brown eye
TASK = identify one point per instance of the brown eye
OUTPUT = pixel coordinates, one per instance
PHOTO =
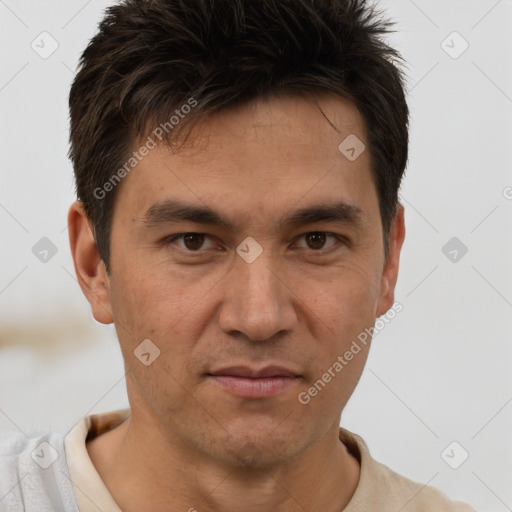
(193, 241)
(189, 242)
(315, 240)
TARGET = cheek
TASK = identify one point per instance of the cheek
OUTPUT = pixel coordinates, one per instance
(345, 300)
(151, 297)
(152, 306)
(341, 307)
(166, 307)
(337, 358)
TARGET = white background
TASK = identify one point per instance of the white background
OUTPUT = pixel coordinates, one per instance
(439, 372)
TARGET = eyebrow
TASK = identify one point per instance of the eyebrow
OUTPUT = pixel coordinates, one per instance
(172, 210)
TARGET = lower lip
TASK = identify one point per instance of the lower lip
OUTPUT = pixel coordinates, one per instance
(248, 387)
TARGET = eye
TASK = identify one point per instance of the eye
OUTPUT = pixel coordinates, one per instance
(192, 242)
(316, 240)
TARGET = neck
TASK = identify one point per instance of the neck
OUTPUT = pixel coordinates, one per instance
(138, 469)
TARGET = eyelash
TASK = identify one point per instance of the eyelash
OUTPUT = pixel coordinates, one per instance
(171, 239)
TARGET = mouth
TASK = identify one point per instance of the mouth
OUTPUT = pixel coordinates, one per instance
(247, 382)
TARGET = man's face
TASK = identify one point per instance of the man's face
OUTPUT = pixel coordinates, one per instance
(298, 305)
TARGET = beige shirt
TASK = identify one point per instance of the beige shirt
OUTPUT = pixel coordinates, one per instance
(379, 488)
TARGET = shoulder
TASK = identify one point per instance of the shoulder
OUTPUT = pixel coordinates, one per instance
(414, 496)
(34, 476)
(383, 489)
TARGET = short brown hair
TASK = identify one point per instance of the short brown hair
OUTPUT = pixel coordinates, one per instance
(149, 58)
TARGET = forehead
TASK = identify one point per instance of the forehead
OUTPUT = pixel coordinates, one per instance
(259, 159)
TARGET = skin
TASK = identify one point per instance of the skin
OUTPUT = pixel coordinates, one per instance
(189, 443)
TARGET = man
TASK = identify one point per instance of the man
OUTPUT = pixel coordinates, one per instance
(238, 165)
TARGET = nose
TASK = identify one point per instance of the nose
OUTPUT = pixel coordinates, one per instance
(257, 300)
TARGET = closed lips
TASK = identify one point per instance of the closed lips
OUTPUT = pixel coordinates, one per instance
(247, 372)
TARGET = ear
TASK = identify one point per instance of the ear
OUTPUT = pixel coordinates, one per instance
(89, 268)
(390, 271)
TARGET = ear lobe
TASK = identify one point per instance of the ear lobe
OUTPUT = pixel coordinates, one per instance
(391, 266)
(89, 268)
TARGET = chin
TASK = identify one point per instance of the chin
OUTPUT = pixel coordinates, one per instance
(260, 451)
